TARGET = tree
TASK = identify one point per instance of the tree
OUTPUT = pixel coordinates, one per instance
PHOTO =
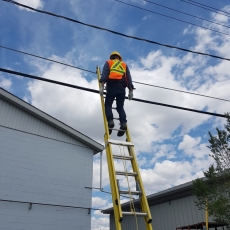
(213, 191)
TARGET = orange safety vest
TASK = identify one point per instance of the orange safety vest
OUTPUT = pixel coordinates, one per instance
(117, 69)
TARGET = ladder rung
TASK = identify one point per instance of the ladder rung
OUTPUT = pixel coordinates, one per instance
(117, 129)
(129, 192)
(126, 173)
(122, 157)
(114, 108)
(116, 142)
(135, 213)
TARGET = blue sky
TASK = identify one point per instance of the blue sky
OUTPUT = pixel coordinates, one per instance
(170, 144)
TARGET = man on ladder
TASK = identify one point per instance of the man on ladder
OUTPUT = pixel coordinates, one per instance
(117, 77)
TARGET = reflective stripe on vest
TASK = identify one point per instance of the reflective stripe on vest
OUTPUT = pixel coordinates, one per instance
(117, 69)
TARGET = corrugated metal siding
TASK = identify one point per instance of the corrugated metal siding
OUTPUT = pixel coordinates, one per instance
(167, 216)
(34, 169)
(15, 118)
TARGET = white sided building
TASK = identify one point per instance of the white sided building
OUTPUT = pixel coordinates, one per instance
(45, 167)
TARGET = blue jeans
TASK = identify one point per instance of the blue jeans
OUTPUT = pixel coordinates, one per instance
(120, 98)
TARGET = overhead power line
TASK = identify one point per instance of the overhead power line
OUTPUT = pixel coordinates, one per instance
(61, 63)
(154, 3)
(209, 7)
(97, 91)
(190, 23)
(182, 91)
(47, 59)
(203, 7)
(117, 33)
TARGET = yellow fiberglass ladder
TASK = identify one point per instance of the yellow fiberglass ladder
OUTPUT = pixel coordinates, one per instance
(135, 173)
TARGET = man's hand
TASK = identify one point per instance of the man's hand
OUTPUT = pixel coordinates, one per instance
(101, 90)
(130, 96)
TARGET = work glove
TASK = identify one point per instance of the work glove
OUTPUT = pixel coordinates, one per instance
(101, 90)
(130, 96)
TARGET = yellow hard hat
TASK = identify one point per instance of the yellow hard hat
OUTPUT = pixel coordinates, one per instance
(116, 53)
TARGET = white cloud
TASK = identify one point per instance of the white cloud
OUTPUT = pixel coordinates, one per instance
(188, 72)
(192, 147)
(146, 17)
(96, 59)
(188, 142)
(100, 223)
(162, 150)
(131, 31)
(165, 175)
(37, 4)
(5, 83)
(99, 202)
(98, 213)
(220, 17)
(77, 108)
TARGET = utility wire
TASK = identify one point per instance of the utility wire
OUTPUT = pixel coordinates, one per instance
(181, 91)
(154, 3)
(195, 4)
(117, 33)
(33, 55)
(61, 63)
(190, 23)
(209, 7)
(97, 91)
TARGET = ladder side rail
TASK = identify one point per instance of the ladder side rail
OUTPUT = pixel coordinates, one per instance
(102, 103)
(113, 182)
(143, 199)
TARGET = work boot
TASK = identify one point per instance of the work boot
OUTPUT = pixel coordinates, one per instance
(110, 125)
(122, 130)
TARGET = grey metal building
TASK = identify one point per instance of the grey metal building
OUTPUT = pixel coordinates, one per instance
(170, 209)
(45, 166)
